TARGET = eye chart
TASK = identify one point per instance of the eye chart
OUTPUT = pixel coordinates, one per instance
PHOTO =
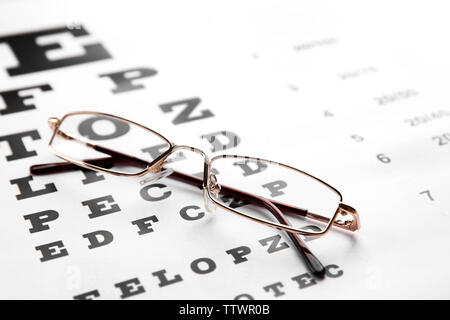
(353, 93)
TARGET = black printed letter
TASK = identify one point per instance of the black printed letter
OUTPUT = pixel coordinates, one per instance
(333, 271)
(184, 213)
(248, 170)
(274, 241)
(130, 288)
(145, 224)
(275, 187)
(213, 138)
(124, 79)
(239, 253)
(163, 281)
(98, 208)
(52, 250)
(91, 176)
(33, 57)
(210, 265)
(39, 219)
(184, 116)
(18, 149)
(86, 128)
(145, 194)
(275, 288)
(95, 241)
(25, 188)
(304, 280)
(87, 295)
(15, 99)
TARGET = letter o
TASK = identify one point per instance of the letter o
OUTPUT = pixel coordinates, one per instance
(211, 265)
(86, 128)
(244, 296)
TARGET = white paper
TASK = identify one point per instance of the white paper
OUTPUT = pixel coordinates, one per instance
(351, 92)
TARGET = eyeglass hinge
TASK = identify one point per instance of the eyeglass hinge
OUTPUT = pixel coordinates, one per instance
(351, 225)
(53, 122)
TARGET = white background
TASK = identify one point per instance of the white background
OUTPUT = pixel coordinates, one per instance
(241, 59)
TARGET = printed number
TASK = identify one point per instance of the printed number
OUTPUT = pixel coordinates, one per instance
(428, 193)
(443, 139)
(383, 158)
(427, 117)
(389, 98)
(357, 138)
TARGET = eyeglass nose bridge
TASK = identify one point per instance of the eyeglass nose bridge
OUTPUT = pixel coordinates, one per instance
(207, 175)
(214, 188)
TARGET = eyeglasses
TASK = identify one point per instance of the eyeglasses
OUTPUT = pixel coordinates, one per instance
(263, 191)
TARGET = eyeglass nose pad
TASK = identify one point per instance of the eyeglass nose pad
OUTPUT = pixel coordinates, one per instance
(212, 185)
(157, 176)
(209, 205)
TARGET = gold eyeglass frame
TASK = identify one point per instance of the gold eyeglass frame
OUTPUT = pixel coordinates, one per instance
(209, 186)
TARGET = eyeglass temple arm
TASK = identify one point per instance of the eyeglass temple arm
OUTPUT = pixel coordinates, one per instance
(344, 209)
(109, 162)
(312, 261)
